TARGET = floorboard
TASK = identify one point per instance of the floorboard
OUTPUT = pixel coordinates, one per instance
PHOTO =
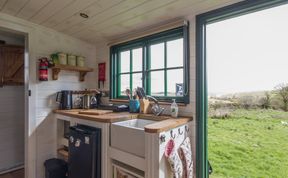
(14, 174)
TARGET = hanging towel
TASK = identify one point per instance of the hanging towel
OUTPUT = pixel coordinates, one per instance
(186, 157)
(174, 160)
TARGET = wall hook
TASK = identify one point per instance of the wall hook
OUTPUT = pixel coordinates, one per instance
(172, 135)
(162, 138)
(179, 131)
(187, 128)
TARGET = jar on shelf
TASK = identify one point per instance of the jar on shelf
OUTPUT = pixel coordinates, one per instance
(62, 57)
(71, 59)
(54, 58)
(80, 61)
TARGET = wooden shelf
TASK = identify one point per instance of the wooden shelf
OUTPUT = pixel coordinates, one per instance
(82, 71)
(63, 153)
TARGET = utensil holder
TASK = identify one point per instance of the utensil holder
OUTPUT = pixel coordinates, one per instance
(144, 106)
(134, 106)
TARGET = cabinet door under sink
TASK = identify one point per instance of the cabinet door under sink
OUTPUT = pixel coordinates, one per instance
(121, 172)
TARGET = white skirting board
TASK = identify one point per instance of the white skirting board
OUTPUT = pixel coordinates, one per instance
(21, 166)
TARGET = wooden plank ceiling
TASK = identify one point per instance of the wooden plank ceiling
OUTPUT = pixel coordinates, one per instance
(108, 19)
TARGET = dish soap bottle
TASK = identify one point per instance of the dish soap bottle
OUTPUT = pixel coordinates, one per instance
(174, 109)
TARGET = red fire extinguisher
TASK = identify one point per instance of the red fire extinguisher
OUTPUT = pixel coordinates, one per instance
(43, 69)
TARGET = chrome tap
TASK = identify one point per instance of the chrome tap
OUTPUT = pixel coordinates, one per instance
(156, 109)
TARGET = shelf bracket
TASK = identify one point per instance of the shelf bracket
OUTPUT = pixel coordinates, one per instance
(82, 76)
(55, 73)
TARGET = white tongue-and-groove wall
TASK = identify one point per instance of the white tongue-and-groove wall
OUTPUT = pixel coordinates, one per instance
(42, 129)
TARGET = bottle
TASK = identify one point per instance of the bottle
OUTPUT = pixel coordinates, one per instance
(174, 109)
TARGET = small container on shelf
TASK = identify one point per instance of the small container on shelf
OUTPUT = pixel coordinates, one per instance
(80, 61)
(174, 109)
(55, 58)
(71, 59)
(62, 58)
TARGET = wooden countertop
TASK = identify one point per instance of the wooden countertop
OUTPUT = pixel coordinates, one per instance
(105, 118)
(165, 122)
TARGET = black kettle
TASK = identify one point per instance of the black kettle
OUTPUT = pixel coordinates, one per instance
(64, 98)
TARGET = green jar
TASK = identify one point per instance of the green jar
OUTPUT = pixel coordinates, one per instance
(54, 58)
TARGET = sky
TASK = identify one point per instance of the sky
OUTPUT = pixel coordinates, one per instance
(248, 53)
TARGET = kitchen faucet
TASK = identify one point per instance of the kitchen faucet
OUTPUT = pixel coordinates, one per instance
(156, 109)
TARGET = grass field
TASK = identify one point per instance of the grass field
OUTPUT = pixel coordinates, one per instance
(250, 143)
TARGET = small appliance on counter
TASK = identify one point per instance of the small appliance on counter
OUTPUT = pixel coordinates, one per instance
(85, 99)
(91, 100)
(64, 98)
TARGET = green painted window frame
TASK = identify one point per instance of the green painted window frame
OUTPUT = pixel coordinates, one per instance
(202, 20)
(145, 43)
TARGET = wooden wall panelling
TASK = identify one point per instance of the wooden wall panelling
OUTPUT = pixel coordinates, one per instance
(132, 13)
(105, 15)
(52, 7)
(93, 10)
(12, 7)
(62, 16)
(31, 8)
(176, 9)
(2, 3)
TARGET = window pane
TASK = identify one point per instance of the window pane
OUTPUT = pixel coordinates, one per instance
(124, 83)
(175, 82)
(125, 61)
(137, 59)
(137, 80)
(157, 83)
(157, 56)
(175, 53)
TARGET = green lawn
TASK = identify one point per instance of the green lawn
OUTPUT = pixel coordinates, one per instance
(250, 143)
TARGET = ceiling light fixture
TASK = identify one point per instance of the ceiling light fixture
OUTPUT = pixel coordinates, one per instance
(84, 15)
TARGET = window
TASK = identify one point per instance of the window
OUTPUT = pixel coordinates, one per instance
(158, 63)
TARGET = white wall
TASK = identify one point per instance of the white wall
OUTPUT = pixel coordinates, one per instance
(10, 39)
(41, 128)
(11, 127)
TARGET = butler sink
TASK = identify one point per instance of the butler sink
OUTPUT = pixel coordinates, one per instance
(129, 136)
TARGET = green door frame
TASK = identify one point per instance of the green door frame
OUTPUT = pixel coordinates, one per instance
(234, 10)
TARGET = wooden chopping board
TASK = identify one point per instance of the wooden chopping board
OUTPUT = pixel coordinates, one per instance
(95, 112)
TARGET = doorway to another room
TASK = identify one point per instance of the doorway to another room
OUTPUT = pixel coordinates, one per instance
(12, 104)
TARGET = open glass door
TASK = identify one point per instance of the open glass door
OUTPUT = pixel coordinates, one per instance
(202, 22)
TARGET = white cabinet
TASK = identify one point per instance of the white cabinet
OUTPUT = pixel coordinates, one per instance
(117, 163)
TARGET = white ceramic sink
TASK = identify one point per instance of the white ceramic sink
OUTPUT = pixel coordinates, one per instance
(129, 136)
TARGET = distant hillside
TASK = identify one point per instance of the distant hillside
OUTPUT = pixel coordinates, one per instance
(240, 94)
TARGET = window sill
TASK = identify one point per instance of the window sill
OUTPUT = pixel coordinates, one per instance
(160, 102)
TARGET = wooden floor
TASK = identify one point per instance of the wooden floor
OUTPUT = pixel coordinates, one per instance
(14, 174)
